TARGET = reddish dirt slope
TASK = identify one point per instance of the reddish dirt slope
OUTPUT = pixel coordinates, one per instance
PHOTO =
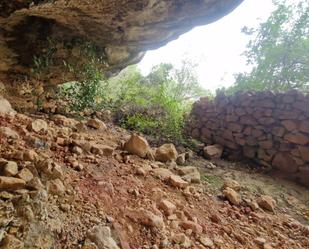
(124, 193)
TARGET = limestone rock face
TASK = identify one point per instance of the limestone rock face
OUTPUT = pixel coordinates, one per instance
(120, 31)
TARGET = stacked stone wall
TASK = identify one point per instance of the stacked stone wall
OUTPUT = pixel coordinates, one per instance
(272, 129)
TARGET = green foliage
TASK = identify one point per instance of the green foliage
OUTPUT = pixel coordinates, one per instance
(87, 91)
(158, 103)
(279, 51)
(155, 104)
(79, 60)
(142, 123)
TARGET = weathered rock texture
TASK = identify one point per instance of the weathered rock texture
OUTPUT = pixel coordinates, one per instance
(120, 31)
(271, 129)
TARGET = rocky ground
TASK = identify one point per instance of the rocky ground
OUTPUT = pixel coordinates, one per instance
(87, 184)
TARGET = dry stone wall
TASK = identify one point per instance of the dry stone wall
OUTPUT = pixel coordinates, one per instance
(270, 129)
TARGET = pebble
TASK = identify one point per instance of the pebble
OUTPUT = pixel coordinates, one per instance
(206, 242)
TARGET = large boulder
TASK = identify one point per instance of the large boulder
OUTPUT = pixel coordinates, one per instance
(297, 138)
(168, 207)
(137, 145)
(64, 121)
(166, 152)
(230, 183)
(303, 175)
(150, 219)
(25, 174)
(181, 159)
(162, 173)
(55, 187)
(304, 126)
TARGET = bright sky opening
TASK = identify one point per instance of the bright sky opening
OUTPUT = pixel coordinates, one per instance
(217, 47)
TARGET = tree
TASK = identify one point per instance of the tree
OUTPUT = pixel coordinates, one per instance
(157, 103)
(279, 52)
(154, 104)
(180, 83)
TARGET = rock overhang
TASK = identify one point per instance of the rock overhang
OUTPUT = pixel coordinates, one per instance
(120, 31)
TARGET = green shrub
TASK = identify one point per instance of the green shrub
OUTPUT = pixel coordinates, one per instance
(88, 89)
(156, 104)
(87, 93)
(142, 123)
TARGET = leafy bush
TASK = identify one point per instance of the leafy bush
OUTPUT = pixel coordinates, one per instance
(85, 94)
(142, 122)
(87, 91)
(155, 104)
(158, 103)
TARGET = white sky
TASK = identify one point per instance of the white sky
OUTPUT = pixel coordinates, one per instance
(217, 46)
